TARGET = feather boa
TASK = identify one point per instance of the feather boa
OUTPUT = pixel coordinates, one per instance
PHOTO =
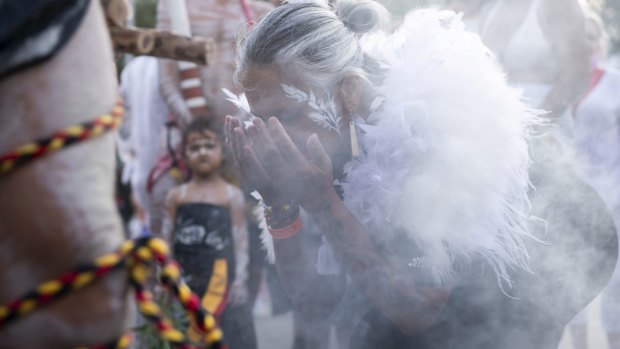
(445, 156)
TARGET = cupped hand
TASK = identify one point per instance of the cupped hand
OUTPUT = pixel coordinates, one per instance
(272, 164)
(253, 175)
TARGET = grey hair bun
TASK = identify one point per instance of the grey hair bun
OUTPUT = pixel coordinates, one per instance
(362, 16)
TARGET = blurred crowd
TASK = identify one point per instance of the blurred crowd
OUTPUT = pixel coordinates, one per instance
(177, 179)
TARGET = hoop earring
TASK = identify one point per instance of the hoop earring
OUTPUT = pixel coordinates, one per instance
(355, 149)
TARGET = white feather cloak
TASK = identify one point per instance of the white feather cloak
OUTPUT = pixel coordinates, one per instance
(445, 156)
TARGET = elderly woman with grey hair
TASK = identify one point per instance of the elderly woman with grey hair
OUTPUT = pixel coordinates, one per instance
(406, 152)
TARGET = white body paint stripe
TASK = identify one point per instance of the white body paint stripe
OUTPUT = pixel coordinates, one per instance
(190, 83)
(196, 102)
(183, 65)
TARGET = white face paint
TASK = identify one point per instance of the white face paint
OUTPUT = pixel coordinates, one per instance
(325, 114)
(200, 147)
(300, 113)
(203, 152)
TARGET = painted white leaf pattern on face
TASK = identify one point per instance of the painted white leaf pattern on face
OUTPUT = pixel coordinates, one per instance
(324, 114)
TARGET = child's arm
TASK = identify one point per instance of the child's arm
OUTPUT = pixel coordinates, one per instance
(239, 290)
(172, 200)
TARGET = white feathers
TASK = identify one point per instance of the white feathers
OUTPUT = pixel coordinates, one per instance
(446, 156)
(325, 114)
(239, 101)
(267, 240)
(298, 95)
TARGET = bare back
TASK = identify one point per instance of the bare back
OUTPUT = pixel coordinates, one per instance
(58, 212)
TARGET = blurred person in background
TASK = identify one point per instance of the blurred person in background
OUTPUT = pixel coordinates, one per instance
(541, 44)
(596, 142)
(553, 51)
(142, 136)
(471, 10)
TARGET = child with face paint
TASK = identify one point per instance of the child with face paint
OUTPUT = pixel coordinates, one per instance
(209, 235)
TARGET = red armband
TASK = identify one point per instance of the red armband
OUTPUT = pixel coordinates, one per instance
(286, 232)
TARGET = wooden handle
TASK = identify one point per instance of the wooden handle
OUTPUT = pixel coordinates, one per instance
(137, 42)
(162, 44)
(181, 48)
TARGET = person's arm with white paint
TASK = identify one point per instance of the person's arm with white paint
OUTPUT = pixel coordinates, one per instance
(239, 288)
(565, 26)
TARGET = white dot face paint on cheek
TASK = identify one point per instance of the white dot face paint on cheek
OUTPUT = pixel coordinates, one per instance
(193, 155)
(199, 148)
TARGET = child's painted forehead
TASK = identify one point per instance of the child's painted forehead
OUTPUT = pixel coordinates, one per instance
(204, 135)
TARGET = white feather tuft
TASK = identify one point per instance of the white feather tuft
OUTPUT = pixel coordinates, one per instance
(239, 101)
(259, 213)
(446, 157)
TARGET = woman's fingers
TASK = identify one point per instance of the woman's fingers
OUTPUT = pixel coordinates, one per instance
(249, 165)
(229, 128)
(262, 138)
(317, 154)
(268, 152)
(288, 149)
(243, 145)
(229, 138)
(255, 173)
(252, 134)
(229, 125)
(253, 168)
(239, 141)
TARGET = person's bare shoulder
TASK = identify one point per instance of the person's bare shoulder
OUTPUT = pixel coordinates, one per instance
(173, 197)
(237, 196)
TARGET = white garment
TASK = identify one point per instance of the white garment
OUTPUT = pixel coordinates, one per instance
(597, 137)
(142, 135)
(472, 23)
(446, 157)
(528, 57)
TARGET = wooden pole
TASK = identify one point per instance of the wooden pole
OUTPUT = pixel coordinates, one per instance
(137, 42)
(197, 49)
(162, 44)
